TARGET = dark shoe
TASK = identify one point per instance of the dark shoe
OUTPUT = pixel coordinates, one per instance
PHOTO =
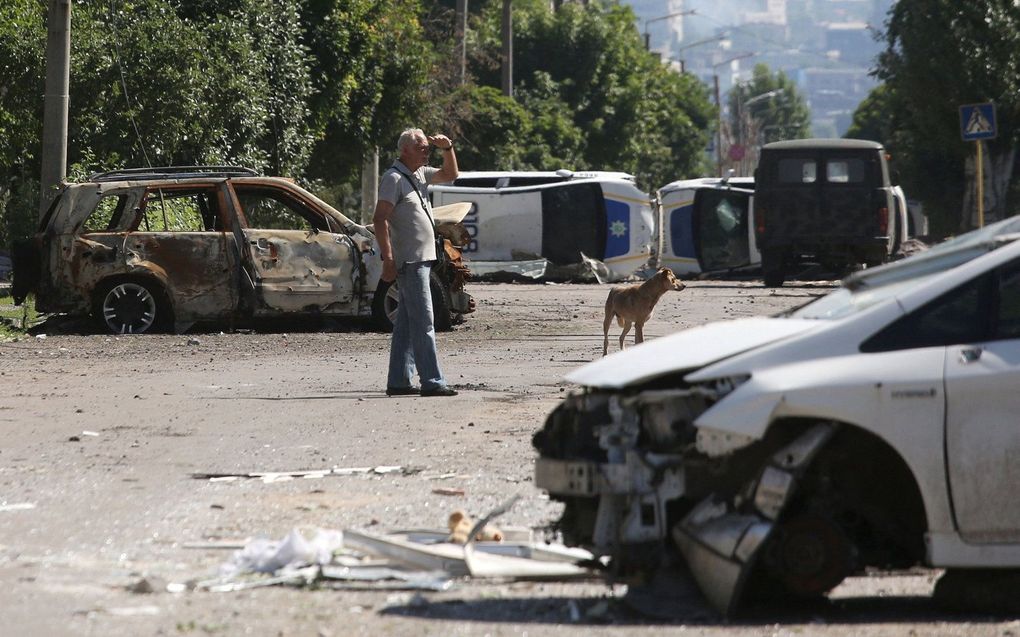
(401, 391)
(438, 391)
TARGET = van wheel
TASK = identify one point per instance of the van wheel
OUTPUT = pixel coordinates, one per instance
(773, 268)
(387, 298)
(131, 306)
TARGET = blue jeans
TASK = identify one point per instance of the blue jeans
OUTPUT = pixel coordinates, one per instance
(414, 334)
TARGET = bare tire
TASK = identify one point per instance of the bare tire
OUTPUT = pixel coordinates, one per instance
(131, 306)
(810, 555)
(387, 298)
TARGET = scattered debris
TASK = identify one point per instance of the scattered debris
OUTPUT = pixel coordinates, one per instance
(283, 476)
(148, 585)
(131, 611)
(448, 491)
(220, 544)
(20, 506)
(408, 560)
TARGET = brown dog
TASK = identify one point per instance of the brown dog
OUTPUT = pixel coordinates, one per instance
(633, 305)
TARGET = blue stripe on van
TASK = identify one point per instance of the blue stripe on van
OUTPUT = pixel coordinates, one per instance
(681, 232)
(617, 228)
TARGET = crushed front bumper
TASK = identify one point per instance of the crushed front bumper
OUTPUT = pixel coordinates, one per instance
(637, 486)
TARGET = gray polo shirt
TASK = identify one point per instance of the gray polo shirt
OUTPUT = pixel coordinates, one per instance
(411, 234)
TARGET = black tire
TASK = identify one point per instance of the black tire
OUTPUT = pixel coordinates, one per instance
(131, 306)
(773, 268)
(384, 305)
(441, 303)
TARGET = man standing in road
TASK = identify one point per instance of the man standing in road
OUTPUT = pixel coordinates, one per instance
(405, 230)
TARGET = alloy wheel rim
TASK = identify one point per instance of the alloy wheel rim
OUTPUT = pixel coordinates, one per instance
(129, 308)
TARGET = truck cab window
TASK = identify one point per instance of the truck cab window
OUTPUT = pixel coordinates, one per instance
(797, 171)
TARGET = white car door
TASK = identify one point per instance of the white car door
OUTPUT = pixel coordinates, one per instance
(983, 417)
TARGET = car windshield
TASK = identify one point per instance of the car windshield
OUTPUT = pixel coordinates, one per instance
(869, 287)
(846, 301)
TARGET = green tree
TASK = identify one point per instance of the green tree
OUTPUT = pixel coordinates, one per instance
(768, 108)
(374, 74)
(292, 87)
(22, 38)
(939, 55)
(602, 100)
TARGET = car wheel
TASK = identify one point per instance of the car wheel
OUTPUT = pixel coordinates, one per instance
(772, 268)
(384, 305)
(387, 298)
(131, 306)
(810, 555)
(442, 316)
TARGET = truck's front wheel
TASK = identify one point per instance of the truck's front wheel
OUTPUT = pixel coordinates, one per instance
(773, 268)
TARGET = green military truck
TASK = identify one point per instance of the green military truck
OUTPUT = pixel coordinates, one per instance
(827, 201)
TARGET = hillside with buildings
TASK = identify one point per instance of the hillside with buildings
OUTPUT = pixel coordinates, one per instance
(826, 46)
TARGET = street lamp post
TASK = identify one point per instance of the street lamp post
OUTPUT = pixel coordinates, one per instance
(694, 44)
(746, 128)
(718, 107)
(648, 37)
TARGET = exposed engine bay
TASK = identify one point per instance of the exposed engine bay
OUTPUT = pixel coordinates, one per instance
(644, 486)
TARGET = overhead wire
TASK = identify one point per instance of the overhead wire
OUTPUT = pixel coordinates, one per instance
(123, 84)
(780, 46)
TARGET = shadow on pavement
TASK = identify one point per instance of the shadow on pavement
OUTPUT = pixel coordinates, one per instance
(614, 611)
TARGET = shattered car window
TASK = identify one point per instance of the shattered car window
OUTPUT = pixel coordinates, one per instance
(180, 211)
(107, 214)
(269, 210)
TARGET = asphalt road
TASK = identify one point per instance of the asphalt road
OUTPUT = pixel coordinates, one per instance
(103, 434)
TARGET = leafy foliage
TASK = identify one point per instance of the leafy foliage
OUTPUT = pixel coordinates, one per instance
(305, 88)
(783, 115)
(600, 100)
(939, 55)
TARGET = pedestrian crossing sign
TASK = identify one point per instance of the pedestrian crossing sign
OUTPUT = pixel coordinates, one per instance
(977, 122)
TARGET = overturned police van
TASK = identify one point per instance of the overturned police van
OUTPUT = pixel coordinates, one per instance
(562, 217)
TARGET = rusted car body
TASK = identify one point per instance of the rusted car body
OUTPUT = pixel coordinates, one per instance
(165, 248)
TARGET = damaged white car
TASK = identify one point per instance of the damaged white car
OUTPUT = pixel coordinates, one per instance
(873, 427)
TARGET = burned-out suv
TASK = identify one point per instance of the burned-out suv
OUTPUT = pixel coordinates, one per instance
(163, 248)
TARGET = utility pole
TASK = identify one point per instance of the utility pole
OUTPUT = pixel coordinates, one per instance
(369, 184)
(461, 34)
(58, 80)
(718, 132)
(508, 50)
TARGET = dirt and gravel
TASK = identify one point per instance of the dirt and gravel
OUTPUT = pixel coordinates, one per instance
(101, 436)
